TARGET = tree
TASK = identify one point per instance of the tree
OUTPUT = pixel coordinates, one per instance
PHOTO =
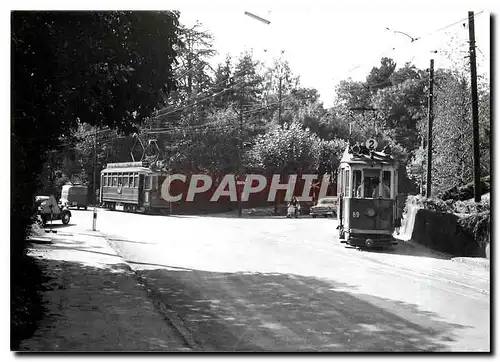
(103, 68)
(380, 78)
(223, 81)
(189, 102)
(248, 81)
(416, 169)
(286, 149)
(401, 108)
(452, 129)
(211, 147)
(330, 155)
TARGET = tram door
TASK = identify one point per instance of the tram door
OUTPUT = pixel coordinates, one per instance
(140, 200)
(343, 190)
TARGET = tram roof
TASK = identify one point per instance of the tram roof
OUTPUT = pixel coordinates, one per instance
(367, 157)
(127, 169)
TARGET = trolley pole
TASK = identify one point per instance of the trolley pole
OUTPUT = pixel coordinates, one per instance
(428, 192)
(475, 115)
(94, 216)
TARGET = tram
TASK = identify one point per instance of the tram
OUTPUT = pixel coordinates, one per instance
(133, 186)
(367, 189)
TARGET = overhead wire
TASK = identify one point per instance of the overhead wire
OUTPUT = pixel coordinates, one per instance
(201, 127)
(236, 74)
(417, 40)
(198, 101)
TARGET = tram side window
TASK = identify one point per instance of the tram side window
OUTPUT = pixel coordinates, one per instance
(154, 182)
(125, 180)
(147, 182)
(115, 180)
(347, 184)
(136, 180)
(339, 182)
(357, 183)
(161, 179)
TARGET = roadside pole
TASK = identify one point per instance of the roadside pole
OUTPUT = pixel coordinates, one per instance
(475, 114)
(240, 150)
(428, 187)
(94, 216)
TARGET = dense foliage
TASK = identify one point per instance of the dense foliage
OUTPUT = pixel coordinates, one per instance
(106, 69)
(101, 68)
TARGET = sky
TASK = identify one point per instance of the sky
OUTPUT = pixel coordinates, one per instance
(329, 41)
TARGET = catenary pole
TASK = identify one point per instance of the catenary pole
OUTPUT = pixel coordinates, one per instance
(94, 215)
(429, 130)
(475, 115)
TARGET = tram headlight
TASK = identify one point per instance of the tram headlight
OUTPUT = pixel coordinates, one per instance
(370, 212)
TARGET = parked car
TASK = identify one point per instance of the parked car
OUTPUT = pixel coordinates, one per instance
(74, 195)
(47, 209)
(326, 206)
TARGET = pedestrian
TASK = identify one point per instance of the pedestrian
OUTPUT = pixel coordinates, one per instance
(295, 204)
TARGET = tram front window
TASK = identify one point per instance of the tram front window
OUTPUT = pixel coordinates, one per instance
(382, 188)
(370, 181)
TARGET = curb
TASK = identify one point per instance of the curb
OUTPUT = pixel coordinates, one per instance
(170, 316)
(416, 245)
(475, 262)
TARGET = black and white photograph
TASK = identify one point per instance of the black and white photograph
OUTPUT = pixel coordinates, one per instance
(251, 176)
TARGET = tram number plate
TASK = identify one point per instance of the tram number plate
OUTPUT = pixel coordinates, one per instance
(355, 214)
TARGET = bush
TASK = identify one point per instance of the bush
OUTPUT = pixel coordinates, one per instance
(433, 204)
(478, 226)
(466, 192)
(470, 206)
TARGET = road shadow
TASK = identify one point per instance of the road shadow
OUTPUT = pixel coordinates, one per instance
(260, 312)
(96, 309)
(230, 312)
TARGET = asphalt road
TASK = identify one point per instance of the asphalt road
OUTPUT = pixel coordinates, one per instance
(276, 284)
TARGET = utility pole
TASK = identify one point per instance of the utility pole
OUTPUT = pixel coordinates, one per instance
(279, 99)
(428, 192)
(94, 184)
(475, 115)
(240, 151)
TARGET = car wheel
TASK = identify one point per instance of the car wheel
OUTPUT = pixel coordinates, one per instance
(65, 218)
(313, 216)
(326, 215)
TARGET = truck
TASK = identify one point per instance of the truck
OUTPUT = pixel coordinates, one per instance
(74, 196)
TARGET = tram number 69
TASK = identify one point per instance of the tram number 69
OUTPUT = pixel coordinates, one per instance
(355, 214)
